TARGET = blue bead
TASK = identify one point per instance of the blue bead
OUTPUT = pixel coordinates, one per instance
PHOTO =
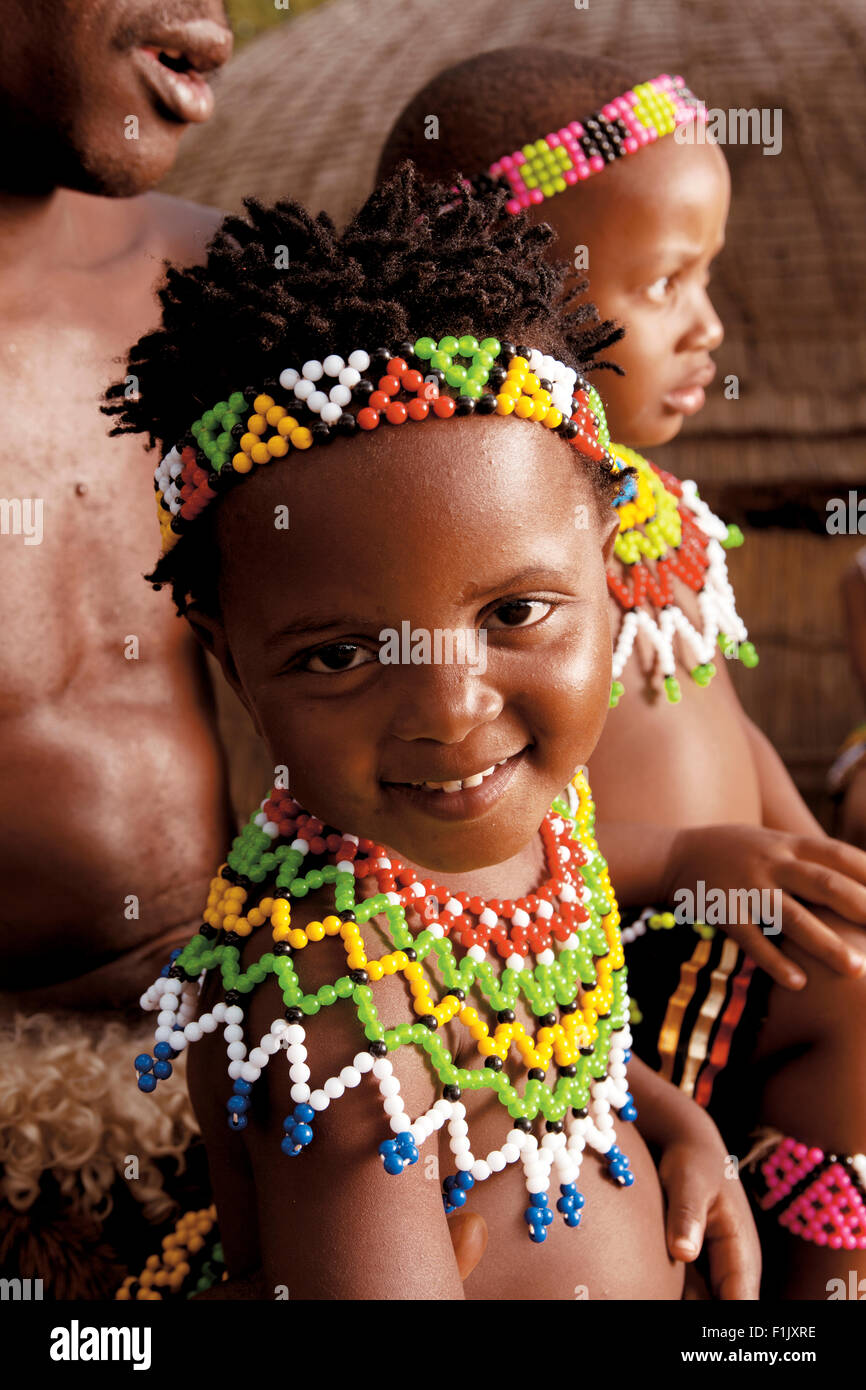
(163, 1051)
(289, 1147)
(163, 1070)
(538, 1234)
(143, 1062)
(237, 1104)
(146, 1082)
(289, 1124)
(242, 1088)
(393, 1164)
(547, 1216)
(458, 1197)
(538, 1199)
(627, 1055)
(466, 1181)
(572, 1218)
(163, 974)
(449, 1183)
(303, 1134)
(175, 953)
(565, 1204)
(389, 1146)
(237, 1121)
(304, 1114)
(628, 1113)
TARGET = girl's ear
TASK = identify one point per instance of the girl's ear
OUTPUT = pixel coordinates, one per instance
(609, 534)
(211, 634)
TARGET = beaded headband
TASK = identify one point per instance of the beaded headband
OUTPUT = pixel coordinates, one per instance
(321, 401)
(580, 149)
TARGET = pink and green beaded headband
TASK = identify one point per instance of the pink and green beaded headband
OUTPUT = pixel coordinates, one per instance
(582, 148)
(321, 401)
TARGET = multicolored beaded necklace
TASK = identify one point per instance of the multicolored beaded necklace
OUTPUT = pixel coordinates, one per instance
(559, 950)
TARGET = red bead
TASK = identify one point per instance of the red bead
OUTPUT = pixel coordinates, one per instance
(396, 413)
(379, 400)
(397, 367)
(368, 419)
(476, 905)
(411, 380)
(444, 406)
(418, 409)
(389, 384)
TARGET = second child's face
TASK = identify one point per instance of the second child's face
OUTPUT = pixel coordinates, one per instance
(653, 224)
(485, 525)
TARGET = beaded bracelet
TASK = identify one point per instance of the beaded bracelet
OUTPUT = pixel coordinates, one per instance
(321, 401)
(580, 149)
(576, 989)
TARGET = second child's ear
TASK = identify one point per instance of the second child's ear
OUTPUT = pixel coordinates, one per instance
(610, 533)
(211, 634)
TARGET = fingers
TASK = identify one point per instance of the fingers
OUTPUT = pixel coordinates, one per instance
(777, 965)
(469, 1235)
(809, 933)
(821, 883)
(836, 854)
(733, 1246)
(688, 1195)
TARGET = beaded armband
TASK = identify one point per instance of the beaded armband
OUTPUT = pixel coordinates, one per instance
(559, 950)
(321, 401)
(664, 521)
(580, 149)
(819, 1197)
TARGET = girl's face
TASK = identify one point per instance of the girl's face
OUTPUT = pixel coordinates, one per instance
(482, 525)
(653, 224)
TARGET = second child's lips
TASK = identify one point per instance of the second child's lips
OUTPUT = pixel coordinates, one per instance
(689, 397)
(178, 84)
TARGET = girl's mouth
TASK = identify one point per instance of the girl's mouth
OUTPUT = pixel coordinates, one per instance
(173, 63)
(460, 799)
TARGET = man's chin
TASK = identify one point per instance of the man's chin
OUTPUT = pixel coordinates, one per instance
(107, 174)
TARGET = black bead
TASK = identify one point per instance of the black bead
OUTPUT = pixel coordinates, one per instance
(348, 916)
(586, 1051)
(282, 948)
(507, 350)
(177, 972)
(568, 429)
(358, 977)
(410, 953)
(406, 350)
(378, 1049)
(362, 390)
(237, 431)
(553, 1126)
(522, 351)
(230, 938)
(230, 874)
(381, 354)
(321, 433)
(271, 386)
(496, 375)
(250, 393)
(570, 1070)
(465, 405)
(281, 895)
(346, 425)
(536, 1073)
(568, 1008)
(579, 1113)
(233, 996)
(458, 994)
(430, 1022)
(294, 1014)
(524, 1125)
(486, 404)
(545, 384)
(505, 1016)
(176, 525)
(494, 1063)
(437, 374)
(451, 1092)
(547, 1020)
(207, 931)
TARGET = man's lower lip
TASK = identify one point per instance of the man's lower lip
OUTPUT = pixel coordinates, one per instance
(463, 805)
(687, 401)
(184, 96)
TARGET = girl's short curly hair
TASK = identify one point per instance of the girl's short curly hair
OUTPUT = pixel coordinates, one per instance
(281, 285)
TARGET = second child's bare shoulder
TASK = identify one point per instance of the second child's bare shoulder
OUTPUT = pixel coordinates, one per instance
(178, 229)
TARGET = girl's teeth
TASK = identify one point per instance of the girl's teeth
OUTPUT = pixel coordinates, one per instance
(474, 781)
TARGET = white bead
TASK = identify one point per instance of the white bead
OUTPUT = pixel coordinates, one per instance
(389, 1086)
(463, 1162)
(288, 378)
(459, 1144)
(478, 954)
(259, 1057)
(171, 987)
(436, 1119)
(271, 829)
(236, 1051)
(566, 892)
(458, 1127)
(333, 364)
(545, 957)
(350, 377)
(515, 962)
(296, 1053)
(279, 1027)
(234, 1014)
(393, 1105)
(299, 1072)
(233, 1033)
(316, 401)
(330, 414)
(487, 918)
(480, 1170)
(537, 1184)
(193, 1032)
(382, 1067)
(345, 866)
(312, 370)
(399, 1123)
(219, 1011)
(363, 1062)
(319, 1101)
(350, 1076)
(496, 1160)
(294, 1033)
(270, 1044)
(454, 907)
(340, 395)
(300, 1092)
(544, 909)
(334, 1087)
(162, 1034)
(520, 918)
(359, 359)
(458, 1110)
(165, 1019)
(235, 1069)
(260, 819)
(207, 1023)
(302, 846)
(443, 1107)
(168, 1002)
(249, 1072)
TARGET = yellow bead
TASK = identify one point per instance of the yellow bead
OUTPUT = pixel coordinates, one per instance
(261, 453)
(275, 415)
(301, 437)
(315, 931)
(281, 933)
(539, 409)
(230, 921)
(518, 364)
(266, 906)
(298, 939)
(332, 925)
(504, 404)
(553, 418)
(255, 917)
(242, 463)
(286, 425)
(523, 407)
(262, 404)
(278, 447)
(375, 969)
(247, 441)
(257, 424)
(414, 970)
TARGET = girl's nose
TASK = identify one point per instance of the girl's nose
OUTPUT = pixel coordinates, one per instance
(444, 703)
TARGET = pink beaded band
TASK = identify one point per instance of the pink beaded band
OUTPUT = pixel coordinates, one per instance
(819, 1197)
(580, 149)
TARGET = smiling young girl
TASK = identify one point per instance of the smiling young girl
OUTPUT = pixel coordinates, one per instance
(411, 959)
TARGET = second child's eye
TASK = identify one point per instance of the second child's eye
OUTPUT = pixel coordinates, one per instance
(519, 612)
(340, 656)
(659, 290)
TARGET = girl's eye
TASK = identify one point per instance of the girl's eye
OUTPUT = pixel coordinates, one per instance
(519, 612)
(340, 656)
(659, 290)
